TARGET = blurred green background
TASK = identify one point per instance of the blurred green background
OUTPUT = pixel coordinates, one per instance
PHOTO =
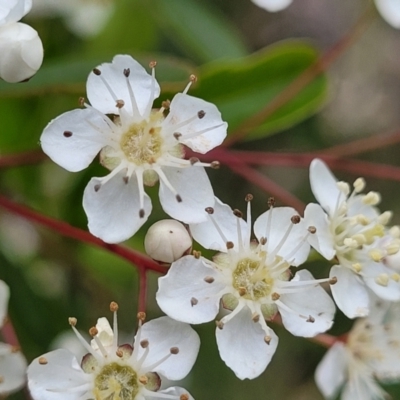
(243, 57)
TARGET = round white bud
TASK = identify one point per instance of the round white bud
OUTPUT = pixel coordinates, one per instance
(167, 240)
(21, 52)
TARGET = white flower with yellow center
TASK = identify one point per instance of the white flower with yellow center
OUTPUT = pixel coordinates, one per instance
(20, 46)
(12, 362)
(162, 348)
(370, 352)
(352, 232)
(254, 282)
(139, 146)
(272, 5)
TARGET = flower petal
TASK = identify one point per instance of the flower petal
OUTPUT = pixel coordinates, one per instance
(194, 188)
(274, 225)
(172, 391)
(272, 5)
(322, 240)
(21, 52)
(13, 10)
(141, 82)
(57, 379)
(349, 292)
(12, 369)
(73, 139)
(324, 186)
(390, 11)
(184, 282)
(311, 302)
(184, 107)
(331, 372)
(4, 296)
(242, 346)
(113, 210)
(163, 334)
(208, 236)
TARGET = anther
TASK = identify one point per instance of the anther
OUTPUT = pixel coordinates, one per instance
(196, 254)
(144, 344)
(275, 296)
(126, 179)
(119, 103)
(229, 245)
(42, 360)
(166, 104)
(67, 134)
(119, 353)
(184, 396)
(72, 321)
(96, 71)
(312, 229)
(271, 202)
(249, 197)
(193, 78)
(310, 319)
(178, 198)
(193, 160)
(359, 185)
(267, 339)
(193, 301)
(237, 213)
(113, 306)
(127, 72)
(255, 317)
(209, 279)
(220, 324)
(242, 291)
(141, 316)
(144, 380)
(174, 350)
(97, 187)
(344, 187)
(332, 280)
(93, 331)
(295, 219)
(209, 210)
(177, 135)
(152, 64)
(215, 164)
(141, 213)
(201, 114)
(81, 101)
(263, 241)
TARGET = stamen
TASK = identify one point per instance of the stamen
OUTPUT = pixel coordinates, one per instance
(94, 332)
(85, 344)
(248, 199)
(283, 240)
(192, 79)
(210, 211)
(67, 134)
(149, 106)
(139, 177)
(198, 133)
(239, 216)
(114, 309)
(282, 305)
(166, 182)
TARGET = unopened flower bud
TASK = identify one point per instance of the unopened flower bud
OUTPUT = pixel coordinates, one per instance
(167, 240)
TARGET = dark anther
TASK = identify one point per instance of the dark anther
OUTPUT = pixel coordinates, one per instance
(193, 78)
(81, 101)
(152, 64)
(249, 197)
(177, 135)
(263, 241)
(229, 245)
(166, 104)
(312, 229)
(193, 160)
(174, 350)
(295, 219)
(193, 301)
(127, 72)
(141, 213)
(310, 319)
(209, 210)
(119, 103)
(271, 202)
(178, 198)
(215, 165)
(96, 71)
(97, 187)
(237, 213)
(125, 179)
(67, 133)
(209, 279)
(201, 114)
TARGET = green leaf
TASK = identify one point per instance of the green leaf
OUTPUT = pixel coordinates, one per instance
(199, 30)
(244, 87)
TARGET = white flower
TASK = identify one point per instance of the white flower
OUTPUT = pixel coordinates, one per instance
(253, 280)
(351, 229)
(272, 5)
(139, 145)
(370, 352)
(167, 240)
(20, 46)
(162, 348)
(390, 11)
(12, 362)
(76, 12)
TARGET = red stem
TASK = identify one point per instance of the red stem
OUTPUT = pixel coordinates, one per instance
(142, 289)
(65, 229)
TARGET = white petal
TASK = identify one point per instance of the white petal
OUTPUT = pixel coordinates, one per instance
(207, 235)
(105, 334)
(185, 282)
(331, 372)
(12, 369)
(314, 302)
(172, 391)
(75, 152)
(4, 296)
(295, 248)
(364, 388)
(113, 73)
(53, 380)
(349, 292)
(273, 5)
(113, 211)
(194, 188)
(182, 108)
(13, 10)
(390, 11)
(389, 291)
(356, 206)
(324, 186)
(242, 346)
(163, 334)
(21, 52)
(322, 240)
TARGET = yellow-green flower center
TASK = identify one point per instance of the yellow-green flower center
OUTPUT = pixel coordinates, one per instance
(116, 382)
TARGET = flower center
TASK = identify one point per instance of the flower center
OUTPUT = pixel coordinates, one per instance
(251, 279)
(117, 382)
(142, 142)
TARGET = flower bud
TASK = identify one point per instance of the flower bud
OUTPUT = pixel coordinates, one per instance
(167, 240)
(21, 52)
